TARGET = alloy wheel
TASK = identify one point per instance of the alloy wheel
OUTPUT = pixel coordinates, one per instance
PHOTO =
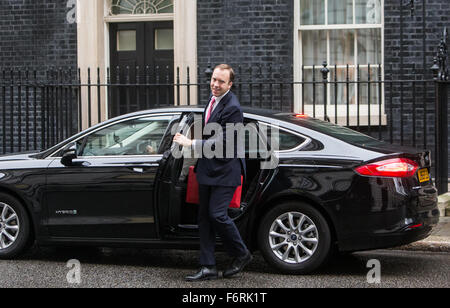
(9, 226)
(293, 237)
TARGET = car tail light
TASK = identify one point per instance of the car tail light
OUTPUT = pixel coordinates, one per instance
(397, 167)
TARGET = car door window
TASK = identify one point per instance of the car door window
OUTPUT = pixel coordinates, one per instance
(252, 139)
(285, 141)
(140, 136)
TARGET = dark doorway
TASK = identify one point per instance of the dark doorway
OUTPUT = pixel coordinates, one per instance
(141, 55)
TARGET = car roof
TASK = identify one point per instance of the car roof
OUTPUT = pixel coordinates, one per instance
(274, 114)
(295, 119)
(302, 123)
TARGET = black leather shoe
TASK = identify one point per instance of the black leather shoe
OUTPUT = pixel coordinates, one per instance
(204, 273)
(237, 265)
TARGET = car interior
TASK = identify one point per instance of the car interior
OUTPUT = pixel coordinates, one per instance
(183, 215)
(136, 137)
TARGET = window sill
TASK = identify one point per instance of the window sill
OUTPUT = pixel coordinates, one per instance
(357, 116)
(353, 120)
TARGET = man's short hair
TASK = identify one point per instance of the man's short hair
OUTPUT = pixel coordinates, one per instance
(228, 68)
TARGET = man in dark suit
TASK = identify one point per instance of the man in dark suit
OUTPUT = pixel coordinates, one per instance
(218, 178)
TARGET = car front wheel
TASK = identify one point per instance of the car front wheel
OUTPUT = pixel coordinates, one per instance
(14, 227)
(294, 238)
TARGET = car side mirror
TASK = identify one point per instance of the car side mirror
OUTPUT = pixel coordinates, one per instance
(68, 156)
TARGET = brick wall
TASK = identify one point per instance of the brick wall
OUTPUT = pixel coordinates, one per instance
(417, 41)
(256, 35)
(409, 54)
(34, 35)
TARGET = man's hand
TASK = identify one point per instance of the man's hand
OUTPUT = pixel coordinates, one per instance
(182, 140)
(149, 150)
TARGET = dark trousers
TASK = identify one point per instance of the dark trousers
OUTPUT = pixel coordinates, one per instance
(213, 220)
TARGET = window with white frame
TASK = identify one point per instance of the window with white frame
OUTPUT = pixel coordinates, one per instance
(348, 35)
(133, 7)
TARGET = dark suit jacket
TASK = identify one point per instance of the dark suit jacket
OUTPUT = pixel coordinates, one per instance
(222, 171)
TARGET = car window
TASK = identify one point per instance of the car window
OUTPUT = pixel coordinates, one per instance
(141, 136)
(252, 139)
(168, 137)
(284, 140)
(340, 132)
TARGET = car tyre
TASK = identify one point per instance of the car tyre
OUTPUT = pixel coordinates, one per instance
(295, 238)
(15, 228)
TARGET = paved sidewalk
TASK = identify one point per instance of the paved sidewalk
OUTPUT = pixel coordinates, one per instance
(438, 241)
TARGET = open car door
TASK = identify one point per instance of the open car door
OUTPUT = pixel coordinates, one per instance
(169, 193)
(178, 215)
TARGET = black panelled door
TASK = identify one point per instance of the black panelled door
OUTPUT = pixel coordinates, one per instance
(141, 55)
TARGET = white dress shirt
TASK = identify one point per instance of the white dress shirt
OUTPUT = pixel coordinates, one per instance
(216, 103)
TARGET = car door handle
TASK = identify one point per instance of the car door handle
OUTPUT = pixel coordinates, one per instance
(81, 163)
(142, 169)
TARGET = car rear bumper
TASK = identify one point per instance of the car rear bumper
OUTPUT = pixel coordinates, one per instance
(414, 229)
(387, 213)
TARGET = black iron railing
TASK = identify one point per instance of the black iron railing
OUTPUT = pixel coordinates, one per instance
(442, 86)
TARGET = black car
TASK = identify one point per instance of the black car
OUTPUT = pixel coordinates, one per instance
(118, 184)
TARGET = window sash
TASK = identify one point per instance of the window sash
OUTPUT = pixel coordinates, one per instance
(379, 14)
(311, 92)
(379, 54)
(354, 109)
(341, 27)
